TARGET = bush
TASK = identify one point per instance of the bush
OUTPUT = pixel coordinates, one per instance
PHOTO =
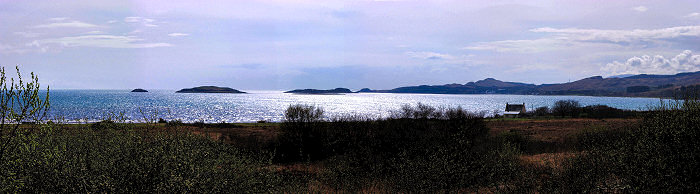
(300, 138)
(84, 160)
(424, 150)
(661, 155)
(174, 123)
(542, 111)
(566, 108)
(603, 111)
(303, 114)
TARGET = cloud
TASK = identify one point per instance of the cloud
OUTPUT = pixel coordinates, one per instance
(101, 41)
(58, 19)
(428, 55)
(5, 48)
(683, 62)
(694, 15)
(570, 38)
(244, 66)
(145, 21)
(623, 35)
(94, 32)
(177, 34)
(73, 24)
(27, 34)
(525, 46)
(640, 8)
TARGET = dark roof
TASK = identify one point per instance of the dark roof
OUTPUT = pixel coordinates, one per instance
(515, 107)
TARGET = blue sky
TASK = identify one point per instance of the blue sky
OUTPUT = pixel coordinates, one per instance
(280, 45)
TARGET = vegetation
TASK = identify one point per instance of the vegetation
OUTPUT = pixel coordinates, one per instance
(661, 155)
(418, 148)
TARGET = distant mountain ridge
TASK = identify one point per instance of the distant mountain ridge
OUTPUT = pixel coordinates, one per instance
(315, 91)
(642, 85)
(209, 89)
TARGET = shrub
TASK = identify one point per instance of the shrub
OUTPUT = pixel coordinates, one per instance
(174, 122)
(603, 111)
(83, 160)
(300, 138)
(300, 113)
(420, 152)
(566, 108)
(542, 111)
(661, 155)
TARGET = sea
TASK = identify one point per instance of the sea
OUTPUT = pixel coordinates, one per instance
(79, 106)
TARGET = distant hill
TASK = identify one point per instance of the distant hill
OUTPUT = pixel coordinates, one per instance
(642, 85)
(209, 89)
(315, 91)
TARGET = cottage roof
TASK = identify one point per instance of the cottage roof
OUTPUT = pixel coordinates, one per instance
(515, 107)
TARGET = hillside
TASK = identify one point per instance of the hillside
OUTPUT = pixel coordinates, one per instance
(642, 85)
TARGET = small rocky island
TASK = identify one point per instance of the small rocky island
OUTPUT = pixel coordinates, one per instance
(210, 89)
(315, 91)
(139, 90)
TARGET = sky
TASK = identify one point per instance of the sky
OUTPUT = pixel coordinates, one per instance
(378, 44)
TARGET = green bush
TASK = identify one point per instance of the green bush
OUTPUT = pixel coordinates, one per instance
(428, 150)
(85, 160)
(662, 155)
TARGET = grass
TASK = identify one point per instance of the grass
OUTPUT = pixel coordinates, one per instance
(418, 149)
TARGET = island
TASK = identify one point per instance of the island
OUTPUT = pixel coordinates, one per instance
(210, 89)
(315, 91)
(139, 90)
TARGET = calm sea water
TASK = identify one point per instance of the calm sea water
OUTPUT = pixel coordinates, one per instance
(94, 105)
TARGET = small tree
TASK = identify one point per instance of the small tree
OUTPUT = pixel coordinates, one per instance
(298, 140)
(542, 111)
(567, 108)
(300, 113)
(19, 102)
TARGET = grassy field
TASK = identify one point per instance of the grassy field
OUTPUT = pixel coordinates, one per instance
(418, 149)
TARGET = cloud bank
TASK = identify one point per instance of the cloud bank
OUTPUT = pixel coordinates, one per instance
(101, 41)
(686, 61)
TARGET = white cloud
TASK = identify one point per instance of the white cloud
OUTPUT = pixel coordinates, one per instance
(4, 48)
(568, 38)
(58, 19)
(428, 55)
(101, 41)
(94, 32)
(145, 21)
(27, 34)
(623, 35)
(177, 34)
(683, 62)
(640, 8)
(694, 15)
(73, 24)
(525, 46)
(132, 19)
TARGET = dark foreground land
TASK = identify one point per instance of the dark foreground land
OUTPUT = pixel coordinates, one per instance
(417, 149)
